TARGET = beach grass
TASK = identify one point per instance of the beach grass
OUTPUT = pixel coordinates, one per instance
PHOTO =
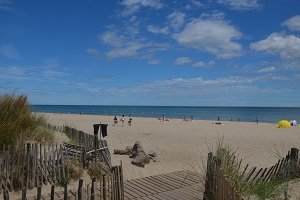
(261, 190)
(18, 124)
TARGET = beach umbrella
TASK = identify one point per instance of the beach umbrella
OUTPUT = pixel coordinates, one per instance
(284, 124)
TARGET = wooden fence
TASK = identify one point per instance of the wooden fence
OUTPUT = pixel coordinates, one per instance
(219, 186)
(87, 147)
(108, 187)
(32, 165)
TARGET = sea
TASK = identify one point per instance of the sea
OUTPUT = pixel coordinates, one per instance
(246, 114)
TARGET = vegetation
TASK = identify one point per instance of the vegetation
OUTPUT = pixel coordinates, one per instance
(18, 124)
(75, 170)
(97, 170)
(262, 190)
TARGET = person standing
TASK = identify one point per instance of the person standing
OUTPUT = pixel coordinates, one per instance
(115, 120)
(122, 120)
(129, 121)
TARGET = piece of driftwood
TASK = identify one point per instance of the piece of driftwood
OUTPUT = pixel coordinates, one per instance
(140, 158)
(126, 151)
(122, 152)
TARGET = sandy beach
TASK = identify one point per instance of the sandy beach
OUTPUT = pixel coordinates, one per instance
(185, 144)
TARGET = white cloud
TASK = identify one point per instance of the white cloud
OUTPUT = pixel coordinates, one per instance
(266, 70)
(153, 61)
(293, 23)
(182, 60)
(174, 23)
(286, 46)
(158, 30)
(240, 5)
(195, 4)
(133, 6)
(215, 36)
(10, 51)
(122, 45)
(12, 72)
(176, 20)
(94, 52)
(193, 86)
(297, 76)
(204, 64)
(6, 5)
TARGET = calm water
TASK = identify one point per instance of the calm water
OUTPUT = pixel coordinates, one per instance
(249, 114)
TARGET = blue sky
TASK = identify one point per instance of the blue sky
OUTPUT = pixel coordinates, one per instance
(152, 52)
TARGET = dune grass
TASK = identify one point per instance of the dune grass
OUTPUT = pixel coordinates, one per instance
(231, 165)
(18, 124)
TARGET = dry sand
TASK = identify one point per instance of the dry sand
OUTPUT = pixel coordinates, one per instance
(184, 145)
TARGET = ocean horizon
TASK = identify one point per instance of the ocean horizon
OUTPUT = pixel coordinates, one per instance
(224, 113)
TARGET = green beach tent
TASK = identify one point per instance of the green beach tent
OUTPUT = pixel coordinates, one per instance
(284, 124)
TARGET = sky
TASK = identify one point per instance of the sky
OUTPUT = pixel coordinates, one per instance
(151, 52)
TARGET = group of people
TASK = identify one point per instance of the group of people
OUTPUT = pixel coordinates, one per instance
(163, 119)
(122, 120)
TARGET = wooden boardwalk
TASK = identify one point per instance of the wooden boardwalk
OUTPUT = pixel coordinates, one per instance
(180, 185)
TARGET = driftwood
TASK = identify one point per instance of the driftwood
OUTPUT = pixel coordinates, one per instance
(140, 158)
(127, 151)
(138, 155)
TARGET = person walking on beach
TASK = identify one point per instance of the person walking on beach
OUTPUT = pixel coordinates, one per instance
(256, 121)
(129, 121)
(218, 118)
(122, 120)
(115, 121)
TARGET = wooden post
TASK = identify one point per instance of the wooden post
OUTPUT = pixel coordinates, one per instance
(96, 140)
(24, 190)
(28, 166)
(93, 190)
(294, 154)
(52, 193)
(39, 193)
(66, 191)
(208, 193)
(104, 187)
(6, 195)
(80, 189)
(293, 163)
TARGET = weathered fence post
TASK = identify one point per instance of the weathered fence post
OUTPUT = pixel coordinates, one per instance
(93, 190)
(294, 172)
(52, 193)
(208, 193)
(65, 191)
(5, 195)
(24, 190)
(79, 192)
(104, 187)
(39, 193)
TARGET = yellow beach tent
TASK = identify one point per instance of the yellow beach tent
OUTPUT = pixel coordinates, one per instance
(284, 124)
